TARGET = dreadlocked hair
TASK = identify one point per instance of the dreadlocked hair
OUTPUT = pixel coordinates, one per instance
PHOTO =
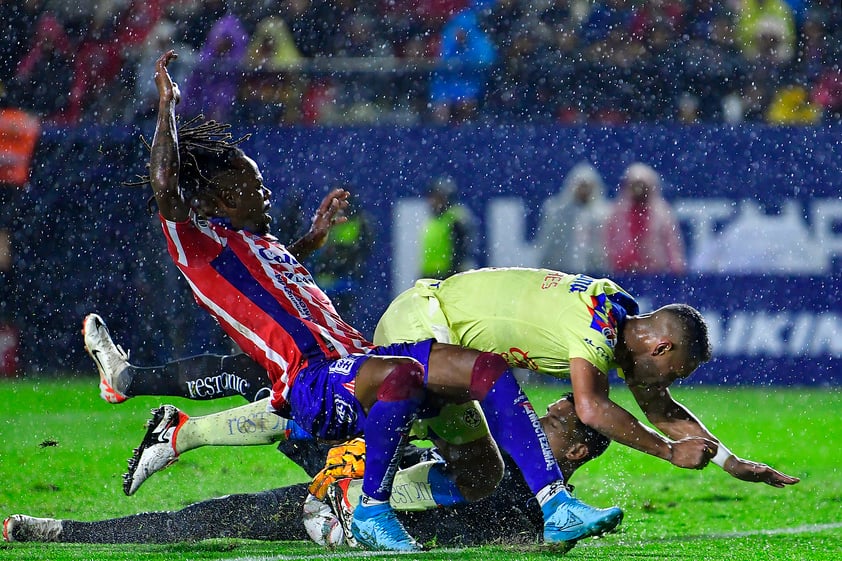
(205, 149)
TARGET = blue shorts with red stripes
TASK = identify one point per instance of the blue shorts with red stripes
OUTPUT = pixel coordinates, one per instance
(322, 398)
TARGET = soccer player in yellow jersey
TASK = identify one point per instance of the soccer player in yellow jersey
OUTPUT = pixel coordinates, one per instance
(569, 325)
(563, 325)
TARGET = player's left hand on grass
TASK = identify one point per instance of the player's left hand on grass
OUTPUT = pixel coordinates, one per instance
(746, 470)
(345, 460)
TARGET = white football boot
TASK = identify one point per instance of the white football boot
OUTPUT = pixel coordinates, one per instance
(111, 360)
(23, 528)
(157, 450)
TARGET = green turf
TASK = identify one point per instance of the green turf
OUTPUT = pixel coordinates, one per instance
(64, 450)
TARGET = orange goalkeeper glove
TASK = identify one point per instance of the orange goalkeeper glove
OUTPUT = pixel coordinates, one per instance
(344, 460)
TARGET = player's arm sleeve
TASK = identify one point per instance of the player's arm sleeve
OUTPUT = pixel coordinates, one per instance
(594, 352)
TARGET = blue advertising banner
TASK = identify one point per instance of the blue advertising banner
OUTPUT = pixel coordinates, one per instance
(89, 244)
(765, 329)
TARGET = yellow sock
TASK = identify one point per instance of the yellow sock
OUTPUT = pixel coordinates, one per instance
(249, 425)
(410, 490)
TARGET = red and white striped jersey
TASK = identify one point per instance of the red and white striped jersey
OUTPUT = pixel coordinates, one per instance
(262, 297)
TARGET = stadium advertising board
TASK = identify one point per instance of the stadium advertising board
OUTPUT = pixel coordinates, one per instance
(769, 196)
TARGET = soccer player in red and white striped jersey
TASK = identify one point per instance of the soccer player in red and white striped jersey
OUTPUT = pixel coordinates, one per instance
(252, 284)
(325, 375)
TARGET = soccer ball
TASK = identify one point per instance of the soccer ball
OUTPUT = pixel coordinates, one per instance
(321, 524)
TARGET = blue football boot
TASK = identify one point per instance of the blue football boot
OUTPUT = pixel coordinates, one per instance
(377, 527)
(568, 520)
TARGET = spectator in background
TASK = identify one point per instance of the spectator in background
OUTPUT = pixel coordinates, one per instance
(711, 60)
(642, 234)
(564, 66)
(646, 16)
(570, 235)
(604, 18)
(829, 12)
(656, 84)
(823, 25)
(791, 105)
(815, 50)
(18, 21)
(767, 72)
(465, 58)
(754, 16)
(212, 85)
(272, 84)
(196, 18)
(611, 73)
(50, 54)
(272, 46)
(339, 265)
(447, 244)
(98, 92)
(362, 100)
(827, 93)
(521, 86)
(162, 37)
(135, 21)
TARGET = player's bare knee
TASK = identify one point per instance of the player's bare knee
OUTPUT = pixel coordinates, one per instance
(488, 368)
(404, 381)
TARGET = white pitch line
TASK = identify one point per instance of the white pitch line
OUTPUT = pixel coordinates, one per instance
(341, 554)
(803, 529)
(607, 542)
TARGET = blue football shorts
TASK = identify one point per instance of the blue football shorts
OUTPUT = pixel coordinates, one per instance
(322, 398)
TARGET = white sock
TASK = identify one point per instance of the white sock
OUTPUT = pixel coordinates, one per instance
(368, 501)
(551, 491)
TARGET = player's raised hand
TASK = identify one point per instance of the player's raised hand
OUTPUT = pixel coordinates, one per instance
(692, 453)
(167, 89)
(746, 470)
(331, 211)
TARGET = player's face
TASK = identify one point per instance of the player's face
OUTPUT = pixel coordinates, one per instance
(562, 427)
(249, 198)
(659, 371)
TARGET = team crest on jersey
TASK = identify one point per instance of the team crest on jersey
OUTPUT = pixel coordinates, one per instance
(602, 321)
(472, 417)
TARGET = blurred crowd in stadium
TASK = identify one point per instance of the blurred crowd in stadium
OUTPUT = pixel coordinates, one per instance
(429, 61)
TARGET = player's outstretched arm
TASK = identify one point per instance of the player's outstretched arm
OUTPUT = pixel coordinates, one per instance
(327, 215)
(669, 416)
(595, 409)
(677, 421)
(746, 470)
(164, 161)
